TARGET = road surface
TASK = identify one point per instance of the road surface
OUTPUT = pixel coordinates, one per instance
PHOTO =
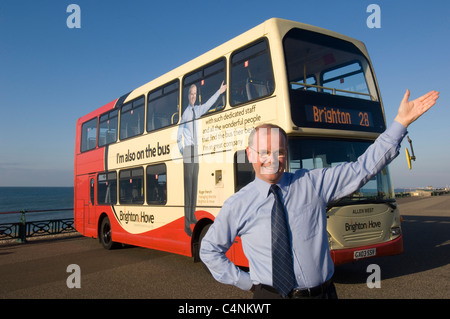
(39, 269)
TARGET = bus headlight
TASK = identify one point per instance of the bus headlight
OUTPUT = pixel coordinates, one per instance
(330, 240)
(396, 231)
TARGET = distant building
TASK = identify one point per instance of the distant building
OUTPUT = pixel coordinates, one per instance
(420, 192)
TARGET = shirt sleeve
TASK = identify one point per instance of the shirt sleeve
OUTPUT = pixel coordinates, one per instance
(206, 106)
(342, 180)
(217, 241)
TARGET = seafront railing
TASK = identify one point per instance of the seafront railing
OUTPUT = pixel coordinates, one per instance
(24, 229)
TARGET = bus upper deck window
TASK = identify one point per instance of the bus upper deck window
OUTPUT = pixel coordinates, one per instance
(89, 135)
(207, 80)
(108, 125)
(162, 107)
(132, 118)
(324, 64)
(251, 73)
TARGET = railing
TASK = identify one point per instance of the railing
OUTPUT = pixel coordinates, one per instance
(22, 229)
(333, 90)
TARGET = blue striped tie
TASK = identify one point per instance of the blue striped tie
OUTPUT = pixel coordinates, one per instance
(282, 262)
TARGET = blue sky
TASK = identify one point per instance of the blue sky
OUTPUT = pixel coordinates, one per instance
(50, 75)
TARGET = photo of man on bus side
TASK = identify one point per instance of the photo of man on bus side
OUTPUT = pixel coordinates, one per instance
(187, 139)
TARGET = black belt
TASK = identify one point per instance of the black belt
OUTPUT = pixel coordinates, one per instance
(304, 292)
(310, 292)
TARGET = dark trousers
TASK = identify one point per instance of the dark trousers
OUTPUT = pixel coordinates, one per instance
(268, 292)
(190, 165)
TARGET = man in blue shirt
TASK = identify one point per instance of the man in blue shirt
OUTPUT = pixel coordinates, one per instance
(188, 133)
(304, 196)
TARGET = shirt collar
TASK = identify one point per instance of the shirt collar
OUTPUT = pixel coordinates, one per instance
(263, 187)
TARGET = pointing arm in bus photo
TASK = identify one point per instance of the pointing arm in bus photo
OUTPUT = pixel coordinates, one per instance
(187, 131)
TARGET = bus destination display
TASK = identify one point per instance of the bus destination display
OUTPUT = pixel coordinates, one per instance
(338, 116)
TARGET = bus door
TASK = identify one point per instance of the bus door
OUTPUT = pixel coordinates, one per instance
(90, 209)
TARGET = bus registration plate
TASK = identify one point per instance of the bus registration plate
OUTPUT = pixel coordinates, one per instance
(364, 253)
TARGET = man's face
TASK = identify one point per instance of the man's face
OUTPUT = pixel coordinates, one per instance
(268, 154)
(192, 95)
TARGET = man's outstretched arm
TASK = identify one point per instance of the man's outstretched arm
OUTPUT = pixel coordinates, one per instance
(409, 111)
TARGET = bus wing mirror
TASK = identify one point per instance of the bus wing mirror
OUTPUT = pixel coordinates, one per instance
(408, 158)
(412, 157)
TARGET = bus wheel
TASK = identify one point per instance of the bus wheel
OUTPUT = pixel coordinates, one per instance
(105, 234)
(202, 234)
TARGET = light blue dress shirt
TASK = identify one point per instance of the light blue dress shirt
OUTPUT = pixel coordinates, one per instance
(306, 194)
(186, 127)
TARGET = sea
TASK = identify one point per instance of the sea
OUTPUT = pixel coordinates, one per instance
(14, 199)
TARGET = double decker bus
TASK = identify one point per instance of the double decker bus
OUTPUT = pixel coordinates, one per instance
(152, 171)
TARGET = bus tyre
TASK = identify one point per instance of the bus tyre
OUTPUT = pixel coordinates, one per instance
(105, 234)
(202, 234)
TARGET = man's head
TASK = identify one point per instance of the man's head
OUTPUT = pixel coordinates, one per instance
(267, 151)
(192, 95)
